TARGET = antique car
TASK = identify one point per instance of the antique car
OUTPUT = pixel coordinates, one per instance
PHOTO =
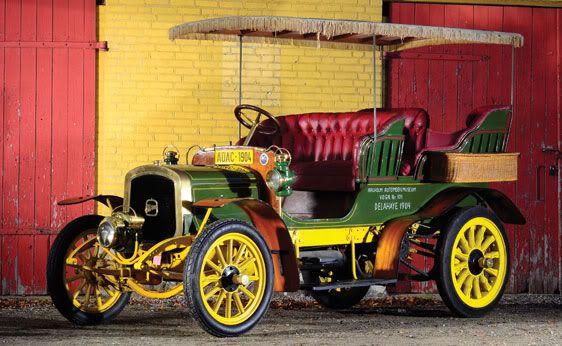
(329, 203)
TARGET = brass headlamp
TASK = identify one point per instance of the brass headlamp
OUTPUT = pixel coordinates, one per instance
(281, 177)
(119, 230)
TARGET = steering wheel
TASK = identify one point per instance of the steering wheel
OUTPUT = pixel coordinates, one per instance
(255, 125)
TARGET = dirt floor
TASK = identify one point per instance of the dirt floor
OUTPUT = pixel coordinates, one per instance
(409, 320)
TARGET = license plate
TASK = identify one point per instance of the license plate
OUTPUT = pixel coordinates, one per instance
(234, 157)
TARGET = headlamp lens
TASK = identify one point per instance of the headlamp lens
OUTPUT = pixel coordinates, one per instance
(274, 179)
(106, 234)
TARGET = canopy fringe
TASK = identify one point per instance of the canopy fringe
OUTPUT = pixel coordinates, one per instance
(265, 29)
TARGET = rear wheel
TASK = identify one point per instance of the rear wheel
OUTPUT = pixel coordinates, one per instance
(473, 262)
(228, 278)
(81, 295)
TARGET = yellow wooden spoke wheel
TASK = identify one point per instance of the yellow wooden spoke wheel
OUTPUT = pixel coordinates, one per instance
(82, 295)
(90, 291)
(473, 262)
(228, 278)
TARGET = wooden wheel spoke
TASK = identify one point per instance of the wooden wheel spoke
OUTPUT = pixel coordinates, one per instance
(219, 301)
(246, 263)
(238, 302)
(220, 256)
(467, 287)
(460, 255)
(470, 239)
(476, 288)
(214, 266)
(87, 296)
(99, 300)
(212, 292)
(74, 278)
(78, 290)
(109, 291)
(487, 242)
(491, 271)
(484, 281)
(462, 276)
(228, 308)
(246, 292)
(229, 251)
(79, 255)
(479, 236)
(492, 254)
(463, 245)
(209, 280)
(460, 266)
(239, 255)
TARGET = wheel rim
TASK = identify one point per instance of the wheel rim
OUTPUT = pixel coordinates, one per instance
(89, 291)
(232, 279)
(478, 262)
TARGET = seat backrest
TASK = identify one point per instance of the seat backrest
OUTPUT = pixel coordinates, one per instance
(487, 130)
(334, 136)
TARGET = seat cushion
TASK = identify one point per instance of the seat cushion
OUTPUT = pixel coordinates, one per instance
(333, 175)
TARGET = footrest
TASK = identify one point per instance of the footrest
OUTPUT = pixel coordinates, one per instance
(350, 283)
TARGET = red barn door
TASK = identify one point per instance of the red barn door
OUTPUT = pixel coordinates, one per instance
(464, 77)
(47, 112)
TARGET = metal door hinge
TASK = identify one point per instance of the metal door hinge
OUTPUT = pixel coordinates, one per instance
(102, 45)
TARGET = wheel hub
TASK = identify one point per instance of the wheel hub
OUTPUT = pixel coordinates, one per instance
(89, 275)
(474, 260)
(228, 278)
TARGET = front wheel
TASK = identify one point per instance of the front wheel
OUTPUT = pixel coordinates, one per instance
(473, 262)
(82, 295)
(228, 278)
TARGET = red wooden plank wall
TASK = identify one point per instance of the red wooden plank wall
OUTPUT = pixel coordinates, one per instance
(47, 111)
(449, 90)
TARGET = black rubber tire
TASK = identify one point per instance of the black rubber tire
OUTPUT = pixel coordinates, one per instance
(444, 246)
(55, 275)
(192, 268)
(345, 298)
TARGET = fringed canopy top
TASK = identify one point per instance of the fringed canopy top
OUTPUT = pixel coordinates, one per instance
(345, 34)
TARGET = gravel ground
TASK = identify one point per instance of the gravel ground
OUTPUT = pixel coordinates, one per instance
(405, 319)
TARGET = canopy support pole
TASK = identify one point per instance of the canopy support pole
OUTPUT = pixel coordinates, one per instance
(240, 85)
(512, 74)
(512, 95)
(374, 89)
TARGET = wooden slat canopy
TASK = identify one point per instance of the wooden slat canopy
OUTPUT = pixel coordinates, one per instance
(344, 34)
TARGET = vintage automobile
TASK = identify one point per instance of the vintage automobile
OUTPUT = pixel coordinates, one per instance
(330, 203)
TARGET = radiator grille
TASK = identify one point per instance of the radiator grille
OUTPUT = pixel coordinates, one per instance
(161, 189)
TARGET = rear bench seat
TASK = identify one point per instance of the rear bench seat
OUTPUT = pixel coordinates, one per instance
(486, 131)
(324, 146)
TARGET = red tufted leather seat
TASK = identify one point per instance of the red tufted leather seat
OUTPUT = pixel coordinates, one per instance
(324, 146)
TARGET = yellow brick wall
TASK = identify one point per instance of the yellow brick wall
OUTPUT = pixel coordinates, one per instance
(153, 92)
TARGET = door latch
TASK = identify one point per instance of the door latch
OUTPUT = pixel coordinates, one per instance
(553, 170)
(548, 149)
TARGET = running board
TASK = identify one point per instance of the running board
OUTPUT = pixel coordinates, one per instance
(350, 283)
